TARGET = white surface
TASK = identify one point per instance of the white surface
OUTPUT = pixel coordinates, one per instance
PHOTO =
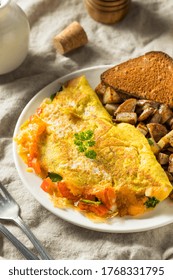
(148, 26)
(162, 215)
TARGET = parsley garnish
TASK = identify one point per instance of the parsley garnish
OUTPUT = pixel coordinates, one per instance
(151, 202)
(84, 135)
(91, 143)
(54, 177)
(83, 140)
(90, 154)
(52, 96)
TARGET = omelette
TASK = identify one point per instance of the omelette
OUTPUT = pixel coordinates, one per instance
(86, 161)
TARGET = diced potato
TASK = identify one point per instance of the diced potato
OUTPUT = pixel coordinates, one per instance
(156, 130)
(127, 117)
(149, 111)
(142, 128)
(111, 96)
(127, 106)
(111, 108)
(156, 118)
(165, 113)
(165, 139)
(163, 158)
(170, 167)
(148, 103)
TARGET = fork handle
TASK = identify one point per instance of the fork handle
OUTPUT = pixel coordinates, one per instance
(21, 247)
(43, 254)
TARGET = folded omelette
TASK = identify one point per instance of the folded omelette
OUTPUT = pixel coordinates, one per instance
(88, 162)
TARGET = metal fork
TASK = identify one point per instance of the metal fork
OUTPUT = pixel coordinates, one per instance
(21, 247)
(9, 210)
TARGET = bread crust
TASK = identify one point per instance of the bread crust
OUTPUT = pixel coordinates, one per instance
(149, 76)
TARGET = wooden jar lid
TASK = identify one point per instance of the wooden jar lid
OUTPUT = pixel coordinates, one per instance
(108, 8)
(112, 3)
(107, 14)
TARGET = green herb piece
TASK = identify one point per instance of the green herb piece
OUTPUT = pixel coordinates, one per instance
(84, 135)
(90, 154)
(82, 148)
(88, 134)
(83, 141)
(52, 96)
(91, 201)
(151, 202)
(150, 141)
(78, 142)
(90, 143)
(54, 177)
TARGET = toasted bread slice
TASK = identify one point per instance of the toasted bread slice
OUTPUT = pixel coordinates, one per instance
(149, 76)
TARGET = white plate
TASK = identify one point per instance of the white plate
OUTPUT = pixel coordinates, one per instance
(160, 216)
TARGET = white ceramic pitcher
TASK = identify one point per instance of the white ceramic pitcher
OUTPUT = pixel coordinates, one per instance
(14, 36)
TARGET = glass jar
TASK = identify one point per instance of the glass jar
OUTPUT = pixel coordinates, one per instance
(14, 36)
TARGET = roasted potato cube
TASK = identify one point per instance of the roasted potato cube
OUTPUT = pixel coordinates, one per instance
(142, 128)
(148, 103)
(171, 141)
(165, 139)
(100, 89)
(111, 108)
(170, 123)
(170, 166)
(157, 131)
(148, 111)
(127, 117)
(163, 158)
(127, 106)
(111, 96)
(156, 118)
(169, 149)
(165, 113)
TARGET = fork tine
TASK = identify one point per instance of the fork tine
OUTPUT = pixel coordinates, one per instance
(1, 197)
(6, 193)
(11, 212)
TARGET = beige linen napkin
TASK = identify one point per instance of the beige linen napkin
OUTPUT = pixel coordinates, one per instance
(148, 26)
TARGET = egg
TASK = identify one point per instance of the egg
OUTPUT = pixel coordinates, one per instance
(86, 160)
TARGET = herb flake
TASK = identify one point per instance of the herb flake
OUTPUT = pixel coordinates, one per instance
(91, 201)
(150, 141)
(83, 140)
(52, 96)
(151, 202)
(54, 177)
(90, 154)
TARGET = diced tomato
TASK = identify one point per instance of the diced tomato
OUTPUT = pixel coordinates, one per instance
(32, 129)
(99, 210)
(107, 196)
(66, 192)
(34, 163)
(89, 196)
(48, 186)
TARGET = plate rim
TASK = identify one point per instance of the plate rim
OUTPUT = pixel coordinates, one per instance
(17, 160)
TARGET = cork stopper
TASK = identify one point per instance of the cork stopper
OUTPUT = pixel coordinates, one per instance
(72, 37)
